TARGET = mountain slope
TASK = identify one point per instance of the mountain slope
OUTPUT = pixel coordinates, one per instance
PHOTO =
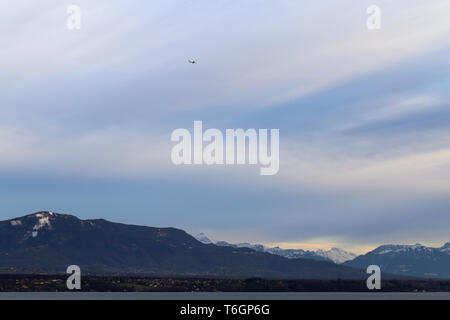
(49, 242)
(410, 260)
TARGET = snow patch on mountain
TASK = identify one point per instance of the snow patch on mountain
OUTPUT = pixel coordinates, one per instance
(445, 248)
(392, 249)
(42, 222)
(15, 223)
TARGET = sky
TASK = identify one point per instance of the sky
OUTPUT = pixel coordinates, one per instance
(364, 116)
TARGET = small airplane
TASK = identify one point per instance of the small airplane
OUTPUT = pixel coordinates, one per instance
(192, 61)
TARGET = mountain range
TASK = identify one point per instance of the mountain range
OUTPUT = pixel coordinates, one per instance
(411, 260)
(335, 255)
(404, 260)
(47, 242)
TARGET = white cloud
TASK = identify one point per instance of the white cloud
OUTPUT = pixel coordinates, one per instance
(250, 54)
(397, 108)
(112, 153)
(325, 169)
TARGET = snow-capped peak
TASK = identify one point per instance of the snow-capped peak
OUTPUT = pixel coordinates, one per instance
(394, 248)
(203, 238)
(336, 255)
(445, 248)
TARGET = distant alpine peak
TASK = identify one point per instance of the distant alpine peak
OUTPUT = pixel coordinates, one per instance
(203, 238)
(414, 260)
(398, 248)
(335, 255)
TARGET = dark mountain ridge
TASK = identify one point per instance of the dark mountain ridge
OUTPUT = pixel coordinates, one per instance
(408, 260)
(47, 242)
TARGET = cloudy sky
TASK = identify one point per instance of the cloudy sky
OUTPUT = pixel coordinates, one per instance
(364, 116)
